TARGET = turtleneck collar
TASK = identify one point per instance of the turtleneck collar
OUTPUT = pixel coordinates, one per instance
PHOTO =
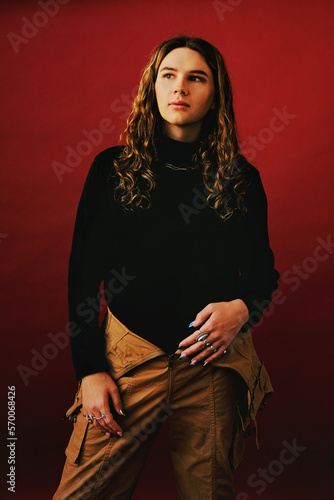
(175, 152)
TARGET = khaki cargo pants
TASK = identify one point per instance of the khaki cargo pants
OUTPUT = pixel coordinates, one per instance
(208, 409)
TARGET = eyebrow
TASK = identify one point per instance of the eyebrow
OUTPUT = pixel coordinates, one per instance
(194, 71)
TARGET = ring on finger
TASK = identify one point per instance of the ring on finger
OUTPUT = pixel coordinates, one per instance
(207, 343)
(202, 336)
(90, 417)
(213, 348)
(224, 350)
(105, 414)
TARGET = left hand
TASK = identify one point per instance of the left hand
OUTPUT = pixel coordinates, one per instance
(223, 321)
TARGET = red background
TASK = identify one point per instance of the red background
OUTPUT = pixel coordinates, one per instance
(83, 66)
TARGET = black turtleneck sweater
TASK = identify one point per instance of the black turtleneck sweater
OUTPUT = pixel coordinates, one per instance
(161, 266)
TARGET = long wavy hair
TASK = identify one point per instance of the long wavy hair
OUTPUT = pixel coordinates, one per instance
(223, 165)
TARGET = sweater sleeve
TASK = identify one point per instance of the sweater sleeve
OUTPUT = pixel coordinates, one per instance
(258, 277)
(87, 267)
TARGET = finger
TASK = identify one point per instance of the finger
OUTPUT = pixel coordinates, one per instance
(101, 424)
(190, 340)
(111, 424)
(116, 399)
(90, 414)
(106, 424)
(90, 417)
(214, 356)
(207, 327)
(193, 350)
(202, 356)
(195, 345)
(202, 316)
(208, 355)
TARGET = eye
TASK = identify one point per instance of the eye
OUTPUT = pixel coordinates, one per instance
(168, 76)
(196, 79)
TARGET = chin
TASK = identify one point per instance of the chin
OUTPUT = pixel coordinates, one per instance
(180, 121)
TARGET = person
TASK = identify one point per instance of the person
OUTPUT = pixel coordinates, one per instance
(171, 243)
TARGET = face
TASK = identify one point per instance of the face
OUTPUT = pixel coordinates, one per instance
(185, 92)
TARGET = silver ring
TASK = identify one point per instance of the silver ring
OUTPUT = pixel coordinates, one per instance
(213, 348)
(98, 418)
(207, 343)
(202, 336)
(224, 350)
(90, 417)
(105, 414)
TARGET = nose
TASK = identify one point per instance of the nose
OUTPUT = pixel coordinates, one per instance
(180, 88)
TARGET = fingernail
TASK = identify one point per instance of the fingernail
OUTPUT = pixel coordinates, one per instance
(122, 412)
(108, 434)
(181, 346)
(119, 434)
(182, 356)
(206, 363)
(193, 362)
(191, 324)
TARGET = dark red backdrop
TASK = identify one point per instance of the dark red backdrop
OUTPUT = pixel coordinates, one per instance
(74, 69)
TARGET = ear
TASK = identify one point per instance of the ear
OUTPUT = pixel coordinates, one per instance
(213, 105)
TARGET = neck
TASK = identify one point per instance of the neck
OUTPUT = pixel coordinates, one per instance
(177, 153)
(182, 134)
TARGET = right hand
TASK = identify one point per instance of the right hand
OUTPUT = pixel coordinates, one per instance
(96, 389)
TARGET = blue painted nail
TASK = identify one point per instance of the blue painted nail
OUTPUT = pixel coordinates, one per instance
(191, 324)
(206, 363)
(193, 362)
(182, 356)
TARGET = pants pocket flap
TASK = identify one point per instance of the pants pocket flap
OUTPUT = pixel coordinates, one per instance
(77, 438)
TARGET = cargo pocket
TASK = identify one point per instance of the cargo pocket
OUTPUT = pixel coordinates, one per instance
(77, 438)
(73, 411)
(80, 425)
(254, 374)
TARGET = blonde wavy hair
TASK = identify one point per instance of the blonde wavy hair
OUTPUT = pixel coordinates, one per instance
(223, 165)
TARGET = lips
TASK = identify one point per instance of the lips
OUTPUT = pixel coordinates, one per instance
(179, 104)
